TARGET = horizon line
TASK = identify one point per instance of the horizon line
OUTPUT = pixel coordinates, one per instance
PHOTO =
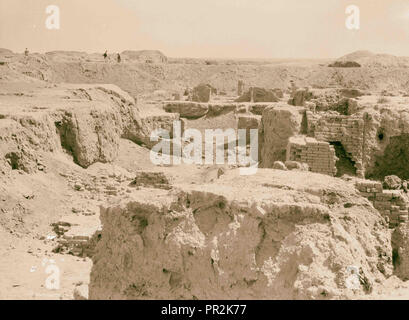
(209, 58)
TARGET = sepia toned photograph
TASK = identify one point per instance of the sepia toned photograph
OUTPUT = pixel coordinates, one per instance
(223, 150)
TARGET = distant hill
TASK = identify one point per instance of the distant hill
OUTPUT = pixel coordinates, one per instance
(357, 55)
(5, 51)
(145, 56)
(145, 71)
(370, 59)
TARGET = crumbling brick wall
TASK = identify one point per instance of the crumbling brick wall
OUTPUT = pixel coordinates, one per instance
(347, 130)
(311, 120)
(202, 93)
(248, 122)
(392, 204)
(319, 155)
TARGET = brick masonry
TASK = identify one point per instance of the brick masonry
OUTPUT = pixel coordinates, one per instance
(348, 130)
(392, 204)
(319, 155)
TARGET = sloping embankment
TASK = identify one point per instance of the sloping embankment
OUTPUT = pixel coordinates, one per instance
(86, 121)
(262, 237)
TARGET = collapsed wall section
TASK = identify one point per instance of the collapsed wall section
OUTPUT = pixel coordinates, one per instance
(346, 130)
(392, 204)
(375, 141)
(371, 144)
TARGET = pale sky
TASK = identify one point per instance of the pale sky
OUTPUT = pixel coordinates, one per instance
(208, 28)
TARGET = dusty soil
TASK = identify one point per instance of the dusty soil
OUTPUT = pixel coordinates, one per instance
(74, 135)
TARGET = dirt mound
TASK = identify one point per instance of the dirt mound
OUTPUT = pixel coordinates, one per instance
(374, 60)
(356, 55)
(4, 51)
(345, 64)
(203, 231)
(134, 75)
(145, 56)
(85, 121)
(283, 241)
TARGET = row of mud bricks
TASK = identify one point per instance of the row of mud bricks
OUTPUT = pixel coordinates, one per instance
(77, 245)
(390, 203)
(319, 155)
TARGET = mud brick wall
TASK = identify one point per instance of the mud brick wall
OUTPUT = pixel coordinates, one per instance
(279, 123)
(345, 129)
(319, 155)
(248, 122)
(81, 246)
(392, 204)
(312, 120)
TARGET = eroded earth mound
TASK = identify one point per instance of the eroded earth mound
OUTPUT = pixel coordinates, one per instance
(324, 216)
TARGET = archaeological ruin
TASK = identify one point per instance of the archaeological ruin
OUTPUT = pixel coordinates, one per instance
(176, 175)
